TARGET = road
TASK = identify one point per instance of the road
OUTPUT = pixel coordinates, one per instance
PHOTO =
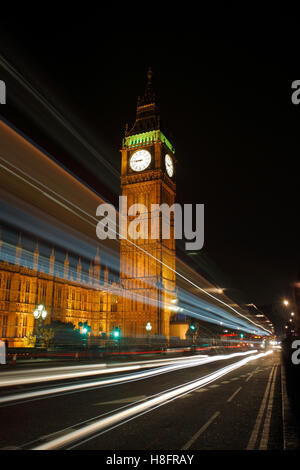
(220, 402)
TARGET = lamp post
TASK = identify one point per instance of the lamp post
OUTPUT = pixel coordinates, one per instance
(39, 314)
(148, 328)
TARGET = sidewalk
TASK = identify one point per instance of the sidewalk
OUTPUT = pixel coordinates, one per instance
(291, 426)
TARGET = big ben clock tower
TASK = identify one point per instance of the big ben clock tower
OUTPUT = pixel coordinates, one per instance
(147, 178)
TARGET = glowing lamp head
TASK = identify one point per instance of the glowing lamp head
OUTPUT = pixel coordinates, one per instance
(44, 314)
(36, 314)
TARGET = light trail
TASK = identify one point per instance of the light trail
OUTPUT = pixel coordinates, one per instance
(38, 186)
(194, 362)
(57, 115)
(211, 313)
(106, 423)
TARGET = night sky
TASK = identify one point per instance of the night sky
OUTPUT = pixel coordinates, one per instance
(224, 94)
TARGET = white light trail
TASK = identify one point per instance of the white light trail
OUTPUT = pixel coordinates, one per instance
(110, 381)
(86, 214)
(135, 410)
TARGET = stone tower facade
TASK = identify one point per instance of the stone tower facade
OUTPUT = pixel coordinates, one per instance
(147, 179)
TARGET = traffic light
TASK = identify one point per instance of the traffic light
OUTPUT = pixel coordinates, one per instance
(241, 335)
(116, 333)
(193, 327)
(85, 328)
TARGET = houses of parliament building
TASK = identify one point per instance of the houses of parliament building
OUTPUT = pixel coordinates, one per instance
(145, 286)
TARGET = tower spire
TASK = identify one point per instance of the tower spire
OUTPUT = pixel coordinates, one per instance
(18, 250)
(66, 266)
(36, 256)
(51, 262)
(147, 113)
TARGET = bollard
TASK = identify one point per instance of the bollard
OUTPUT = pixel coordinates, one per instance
(14, 360)
(76, 356)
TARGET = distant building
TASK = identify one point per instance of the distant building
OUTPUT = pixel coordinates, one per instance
(66, 298)
(147, 281)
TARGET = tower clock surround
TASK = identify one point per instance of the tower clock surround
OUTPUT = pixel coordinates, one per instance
(169, 165)
(140, 160)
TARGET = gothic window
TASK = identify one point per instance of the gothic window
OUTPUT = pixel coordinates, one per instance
(3, 325)
(8, 285)
(24, 325)
(16, 335)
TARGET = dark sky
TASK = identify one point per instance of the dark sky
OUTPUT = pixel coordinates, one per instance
(224, 90)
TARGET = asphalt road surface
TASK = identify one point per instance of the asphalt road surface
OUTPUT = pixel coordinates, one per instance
(196, 403)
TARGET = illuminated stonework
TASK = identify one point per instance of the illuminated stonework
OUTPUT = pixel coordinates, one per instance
(148, 282)
(146, 286)
(65, 298)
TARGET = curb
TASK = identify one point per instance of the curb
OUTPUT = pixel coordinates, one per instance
(290, 435)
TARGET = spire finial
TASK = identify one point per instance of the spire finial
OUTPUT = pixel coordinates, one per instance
(149, 74)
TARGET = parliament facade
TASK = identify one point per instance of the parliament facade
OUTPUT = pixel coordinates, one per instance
(145, 287)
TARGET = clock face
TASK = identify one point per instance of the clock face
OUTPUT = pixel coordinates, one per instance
(169, 165)
(140, 160)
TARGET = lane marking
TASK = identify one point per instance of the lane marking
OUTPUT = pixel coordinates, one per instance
(201, 431)
(234, 394)
(250, 375)
(122, 400)
(266, 429)
(254, 434)
(213, 386)
(62, 432)
(185, 396)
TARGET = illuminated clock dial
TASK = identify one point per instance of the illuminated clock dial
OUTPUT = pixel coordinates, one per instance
(169, 165)
(140, 160)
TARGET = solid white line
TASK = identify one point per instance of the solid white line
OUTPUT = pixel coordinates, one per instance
(254, 434)
(201, 431)
(234, 394)
(266, 429)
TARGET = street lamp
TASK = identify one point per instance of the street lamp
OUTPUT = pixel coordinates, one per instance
(286, 302)
(148, 328)
(39, 314)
